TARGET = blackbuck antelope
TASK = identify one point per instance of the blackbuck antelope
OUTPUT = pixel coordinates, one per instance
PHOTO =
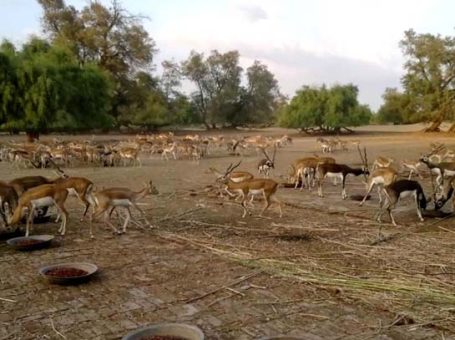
(401, 189)
(254, 187)
(267, 163)
(39, 197)
(234, 176)
(340, 171)
(444, 194)
(108, 199)
(382, 162)
(440, 169)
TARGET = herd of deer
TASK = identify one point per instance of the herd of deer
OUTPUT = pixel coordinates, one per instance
(34, 193)
(115, 153)
(306, 171)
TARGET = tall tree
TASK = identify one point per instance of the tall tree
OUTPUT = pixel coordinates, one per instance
(110, 37)
(430, 76)
(217, 79)
(260, 98)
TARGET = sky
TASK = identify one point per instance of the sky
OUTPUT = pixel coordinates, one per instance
(303, 42)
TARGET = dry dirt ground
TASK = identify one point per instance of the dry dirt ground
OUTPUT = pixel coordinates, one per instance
(320, 272)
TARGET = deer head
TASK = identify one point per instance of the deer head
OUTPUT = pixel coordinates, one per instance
(224, 178)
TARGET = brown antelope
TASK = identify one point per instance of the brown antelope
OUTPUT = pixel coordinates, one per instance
(39, 197)
(108, 199)
(234, 176)
(401, 189)
(413, 167)
(257, 186)
(304, 169)
(266, 163)
(131, 154)
(325, 145)
(382, 162)
(340, 171)
(8, 200)
(380, 177)
(172, 149)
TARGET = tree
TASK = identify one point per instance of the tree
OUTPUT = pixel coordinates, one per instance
(46, 91)
(430, 77)
(110, 37)
(259, 99)
(217, 80)
(325, 109)
(397, 108)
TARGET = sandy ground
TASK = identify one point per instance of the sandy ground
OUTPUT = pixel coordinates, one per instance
(320, 272)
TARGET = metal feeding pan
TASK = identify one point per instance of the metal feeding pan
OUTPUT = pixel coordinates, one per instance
(30, 242)
(171, 330)
(68, 273)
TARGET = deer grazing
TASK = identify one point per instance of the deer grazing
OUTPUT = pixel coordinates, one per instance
(108, 199)
(254, 187)
(440, 169)
(412, 167)
(267, 163)
(41, 196)
(401, 189)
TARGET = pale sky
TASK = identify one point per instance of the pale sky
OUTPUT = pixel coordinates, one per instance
(303, 42)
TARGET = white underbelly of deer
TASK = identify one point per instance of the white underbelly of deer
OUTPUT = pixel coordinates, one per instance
(43, 202)
(256, 191)
(72, 192)
(120, 202)
(334, 175)
(406, 194)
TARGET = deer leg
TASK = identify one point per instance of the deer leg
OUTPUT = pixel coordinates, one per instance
(344, 195)
(320, 182)
(266, 204)
(29, 224)
(141, 212)
(419, 209)
(127, 220)
(64, 214)
(277, 201)
(109, 223)
(366, 195)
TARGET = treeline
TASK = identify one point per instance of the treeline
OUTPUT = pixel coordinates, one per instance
(94, 70)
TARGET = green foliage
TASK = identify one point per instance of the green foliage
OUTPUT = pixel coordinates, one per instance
(328, 109)
(111, 38)
(429, 81)
(220, 97)
(397, 108)
(42, 90)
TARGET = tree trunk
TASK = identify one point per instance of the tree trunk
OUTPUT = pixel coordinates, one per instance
(434, 127)
(452, 128)
(32, 136)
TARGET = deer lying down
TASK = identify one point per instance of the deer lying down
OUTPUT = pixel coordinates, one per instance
(401, 189)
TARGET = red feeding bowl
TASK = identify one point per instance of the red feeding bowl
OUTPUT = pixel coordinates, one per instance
(68, 273)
